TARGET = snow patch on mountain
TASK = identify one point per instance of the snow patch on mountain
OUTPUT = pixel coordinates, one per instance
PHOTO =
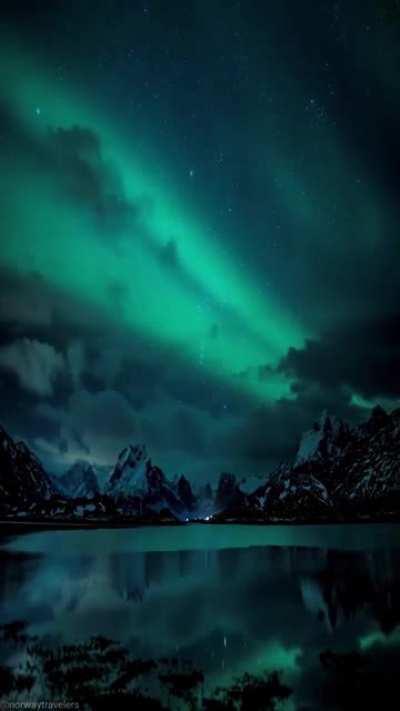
(129, 476)
(80, 480)
(324, 439)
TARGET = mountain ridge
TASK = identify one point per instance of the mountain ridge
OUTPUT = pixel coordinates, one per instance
(339, 472)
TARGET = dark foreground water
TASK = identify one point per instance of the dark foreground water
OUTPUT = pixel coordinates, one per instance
(231, 599)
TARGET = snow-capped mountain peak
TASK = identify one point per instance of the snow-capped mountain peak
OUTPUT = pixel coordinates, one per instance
(129, 476)
(80, 480)
(132, 456)
(320, 442)
(137, 484)
(22, 476)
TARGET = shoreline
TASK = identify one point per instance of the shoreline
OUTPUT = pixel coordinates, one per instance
(18, 526)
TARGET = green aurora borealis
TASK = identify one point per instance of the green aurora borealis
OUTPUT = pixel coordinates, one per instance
(199, 223)
(199, 252)
(59, 240)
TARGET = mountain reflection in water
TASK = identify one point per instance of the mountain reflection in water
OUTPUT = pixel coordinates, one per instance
(227, 610)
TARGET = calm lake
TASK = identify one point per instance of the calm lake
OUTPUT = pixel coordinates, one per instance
(231, 599)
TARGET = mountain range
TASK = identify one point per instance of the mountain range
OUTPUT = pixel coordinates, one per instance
(339, 473)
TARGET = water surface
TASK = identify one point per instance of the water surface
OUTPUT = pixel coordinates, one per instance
(229, 598)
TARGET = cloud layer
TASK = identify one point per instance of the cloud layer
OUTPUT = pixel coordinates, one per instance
(199, 249)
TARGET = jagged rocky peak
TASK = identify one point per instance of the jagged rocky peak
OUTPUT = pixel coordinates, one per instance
(24, 450)
(134, 475)
(378, 419)
(208, 493)
(22, 477)
(228, 492)
(129, 472)
(371, 464)
(136, 482)
(185, 493)
(322, 440)
(340, 472)
(5, 440)
(80, 480)
(155, 477)
(291, 494)
(133, 455)
(226, 484)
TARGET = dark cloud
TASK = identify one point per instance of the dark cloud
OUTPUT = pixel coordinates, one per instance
(76, 362)
(24, 300)
(95, 424)
(75, 156)
(266, 435)
(363, 356)
(72, 159)
(298, 188)
(36, 364)
(118, 388)
(359, 357)
(113, 388)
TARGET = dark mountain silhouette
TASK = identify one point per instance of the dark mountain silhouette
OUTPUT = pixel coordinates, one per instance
(23, 480)
(80, 480)
(339, 473)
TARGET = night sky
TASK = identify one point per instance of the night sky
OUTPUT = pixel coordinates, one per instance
(199, 219)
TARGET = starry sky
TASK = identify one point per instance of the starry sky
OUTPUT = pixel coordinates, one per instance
(199, 225)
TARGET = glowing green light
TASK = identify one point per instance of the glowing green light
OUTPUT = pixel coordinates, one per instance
(53, 236)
